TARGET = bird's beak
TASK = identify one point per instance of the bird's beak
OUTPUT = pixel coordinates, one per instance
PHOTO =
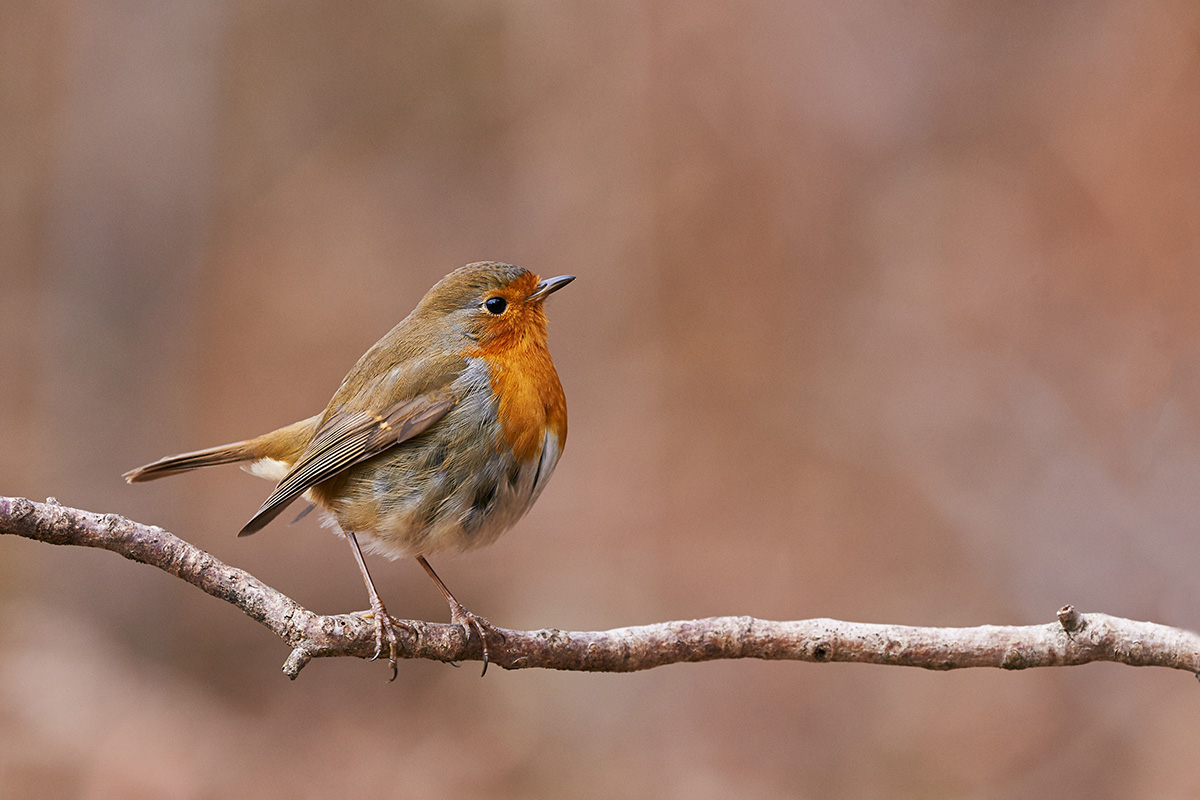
(550, 286)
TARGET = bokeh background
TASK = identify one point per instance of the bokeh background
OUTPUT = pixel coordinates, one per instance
(886, 311)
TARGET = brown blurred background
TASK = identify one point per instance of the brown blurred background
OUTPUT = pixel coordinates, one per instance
(886, 311)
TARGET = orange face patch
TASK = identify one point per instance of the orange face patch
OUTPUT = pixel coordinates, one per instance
(522, 375)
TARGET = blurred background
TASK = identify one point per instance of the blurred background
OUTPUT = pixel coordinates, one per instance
(885, 312)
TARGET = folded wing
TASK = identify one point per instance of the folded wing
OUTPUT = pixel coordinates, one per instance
(345, 439)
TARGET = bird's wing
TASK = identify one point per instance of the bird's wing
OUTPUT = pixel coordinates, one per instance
(346, 438)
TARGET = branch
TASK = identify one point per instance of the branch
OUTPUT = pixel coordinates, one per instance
(1074, 639)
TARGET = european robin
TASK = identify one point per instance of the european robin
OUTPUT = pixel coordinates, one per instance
(439, 439)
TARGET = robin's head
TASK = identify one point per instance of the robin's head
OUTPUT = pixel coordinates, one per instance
(493, 304)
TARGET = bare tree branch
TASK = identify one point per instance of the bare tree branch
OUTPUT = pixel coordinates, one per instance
(1074, 639)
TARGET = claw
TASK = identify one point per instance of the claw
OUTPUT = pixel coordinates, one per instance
(461, 617)
(466, 620)
(384, 627)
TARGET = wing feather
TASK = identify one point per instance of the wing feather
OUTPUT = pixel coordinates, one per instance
(346, 439)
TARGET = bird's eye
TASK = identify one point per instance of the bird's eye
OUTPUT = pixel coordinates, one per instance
(495, 305)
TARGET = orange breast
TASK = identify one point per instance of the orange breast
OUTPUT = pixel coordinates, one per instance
(530, 396)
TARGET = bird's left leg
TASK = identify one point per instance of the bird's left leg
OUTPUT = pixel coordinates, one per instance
(460, 616)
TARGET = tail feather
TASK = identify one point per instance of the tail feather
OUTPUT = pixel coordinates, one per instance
(185, 462)
(285, 444)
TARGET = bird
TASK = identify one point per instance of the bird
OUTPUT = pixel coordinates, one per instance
(439, 439)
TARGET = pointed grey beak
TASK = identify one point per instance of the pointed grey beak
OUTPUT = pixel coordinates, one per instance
(550, 286)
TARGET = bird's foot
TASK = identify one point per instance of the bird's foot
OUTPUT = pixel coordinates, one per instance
(468, 622)
(385, 628)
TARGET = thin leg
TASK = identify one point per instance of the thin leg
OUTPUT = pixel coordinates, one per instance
(459, 615)
(383, 623)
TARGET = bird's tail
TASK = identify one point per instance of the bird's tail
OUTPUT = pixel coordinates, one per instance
(285, 444)
(185, 462)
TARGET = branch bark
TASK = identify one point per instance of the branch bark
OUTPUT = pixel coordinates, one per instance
(1075, 638)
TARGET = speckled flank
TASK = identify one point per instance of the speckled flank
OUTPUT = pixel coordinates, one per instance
(432, 495)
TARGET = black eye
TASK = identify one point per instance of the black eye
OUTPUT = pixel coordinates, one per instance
(495, 305)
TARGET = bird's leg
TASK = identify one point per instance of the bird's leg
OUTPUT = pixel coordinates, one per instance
(383, 622)
(460, 616)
